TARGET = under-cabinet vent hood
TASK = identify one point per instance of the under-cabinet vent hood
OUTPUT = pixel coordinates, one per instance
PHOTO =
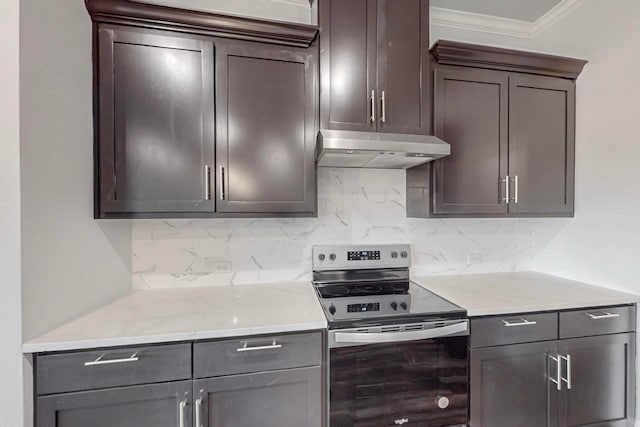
(350, 149)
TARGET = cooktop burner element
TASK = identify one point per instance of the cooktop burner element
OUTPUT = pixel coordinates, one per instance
(359, 284)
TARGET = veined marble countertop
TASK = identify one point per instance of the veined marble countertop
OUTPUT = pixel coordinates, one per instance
(519, 292)
(165, 315)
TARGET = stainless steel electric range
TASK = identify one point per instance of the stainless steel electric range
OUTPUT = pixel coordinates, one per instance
(397, 352)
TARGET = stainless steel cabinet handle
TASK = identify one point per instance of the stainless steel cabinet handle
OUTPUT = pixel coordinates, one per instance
(557, 381)
(181, 416)
(506, 197)
(262, 347)
(603, 315)
(515, 183)
(523, 322)
(101, 361)
(373, 106)
(221, 184)
(383, 101)
(199, 413)
(207, 179)
(567, 380)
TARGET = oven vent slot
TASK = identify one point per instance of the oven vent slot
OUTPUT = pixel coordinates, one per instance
(391, 329)
(362, 331)
(414, 327)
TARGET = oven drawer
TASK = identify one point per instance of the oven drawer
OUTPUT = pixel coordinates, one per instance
(246, 355)
(597, 321)
(114, 367)
(513, 329)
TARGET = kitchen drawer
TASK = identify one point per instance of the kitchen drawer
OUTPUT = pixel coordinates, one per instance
(597, 321)
(513, 329)
(239, 356)
(85, 370)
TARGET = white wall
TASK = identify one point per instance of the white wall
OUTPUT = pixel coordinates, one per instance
(11, 361)
(602, 244)
(70, 262)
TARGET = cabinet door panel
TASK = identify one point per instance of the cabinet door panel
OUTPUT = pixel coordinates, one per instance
(156, 405)
(266, 128)
(287, 398)
(471, 113)
(541, 144)
(348, 58)
(509, 385)
(403, 66)
(156, 121)
(602, 381)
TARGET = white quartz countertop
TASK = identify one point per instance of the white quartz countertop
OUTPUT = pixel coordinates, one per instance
(519, 292)
(165, 315)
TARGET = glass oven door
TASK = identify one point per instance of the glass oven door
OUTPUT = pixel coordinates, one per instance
(397, 377)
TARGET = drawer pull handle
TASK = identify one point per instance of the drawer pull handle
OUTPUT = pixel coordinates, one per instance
(262, 347)
(101, 361)
(603, 315)
(523, 322)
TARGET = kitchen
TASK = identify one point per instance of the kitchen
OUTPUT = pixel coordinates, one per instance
(72, 264)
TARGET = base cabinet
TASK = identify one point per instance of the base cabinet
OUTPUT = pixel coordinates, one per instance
(291, 397)
(155, 405)
(573, 382)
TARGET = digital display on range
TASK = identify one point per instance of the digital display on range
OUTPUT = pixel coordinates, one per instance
(363, 255)
(361, 308)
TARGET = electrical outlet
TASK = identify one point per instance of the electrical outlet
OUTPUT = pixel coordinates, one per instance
(214, 265)
(475, 258)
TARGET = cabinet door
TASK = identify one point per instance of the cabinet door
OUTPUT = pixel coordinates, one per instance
(541, 144)
(266, 128)
(471, 113)
(287, 398)
(156, 122)
(602, 392)
(157, 405)
(404, 89)
(348, 64)
(509, 385)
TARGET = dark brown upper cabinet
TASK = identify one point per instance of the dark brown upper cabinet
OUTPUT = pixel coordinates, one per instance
(266, 103)
(510, 119)
(202, 115)
(374, 65)
(156, 116)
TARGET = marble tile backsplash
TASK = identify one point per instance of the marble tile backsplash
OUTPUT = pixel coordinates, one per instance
(354, 206)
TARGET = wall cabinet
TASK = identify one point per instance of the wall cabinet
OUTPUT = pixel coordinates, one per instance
(510, 119)
(270, 381)
(585, 377)
(193, 125)
(375, 65)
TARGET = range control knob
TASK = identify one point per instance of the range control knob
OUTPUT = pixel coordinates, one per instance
(332, 309)
(394, 254)
(394, 305)
(442, 402)
(321, 257)
(404, 254)
(332, 257)
(403, 305)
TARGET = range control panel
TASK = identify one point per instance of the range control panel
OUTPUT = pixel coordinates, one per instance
(350, 257)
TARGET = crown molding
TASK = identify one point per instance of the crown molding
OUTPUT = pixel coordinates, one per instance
(469, 21)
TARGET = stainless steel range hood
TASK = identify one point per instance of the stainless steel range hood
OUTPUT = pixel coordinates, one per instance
(349, 149)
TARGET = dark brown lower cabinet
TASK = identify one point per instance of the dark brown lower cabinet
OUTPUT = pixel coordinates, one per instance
(155, 405)
(572, 382)
(285, 398)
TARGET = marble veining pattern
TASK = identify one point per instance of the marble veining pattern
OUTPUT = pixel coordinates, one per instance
(354, 206)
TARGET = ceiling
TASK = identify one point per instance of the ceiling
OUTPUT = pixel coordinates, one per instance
(523, 10)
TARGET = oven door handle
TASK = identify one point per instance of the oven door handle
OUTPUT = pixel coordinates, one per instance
(387, 337)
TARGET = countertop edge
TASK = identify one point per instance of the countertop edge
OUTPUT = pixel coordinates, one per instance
(556, 307)
(87, 344)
